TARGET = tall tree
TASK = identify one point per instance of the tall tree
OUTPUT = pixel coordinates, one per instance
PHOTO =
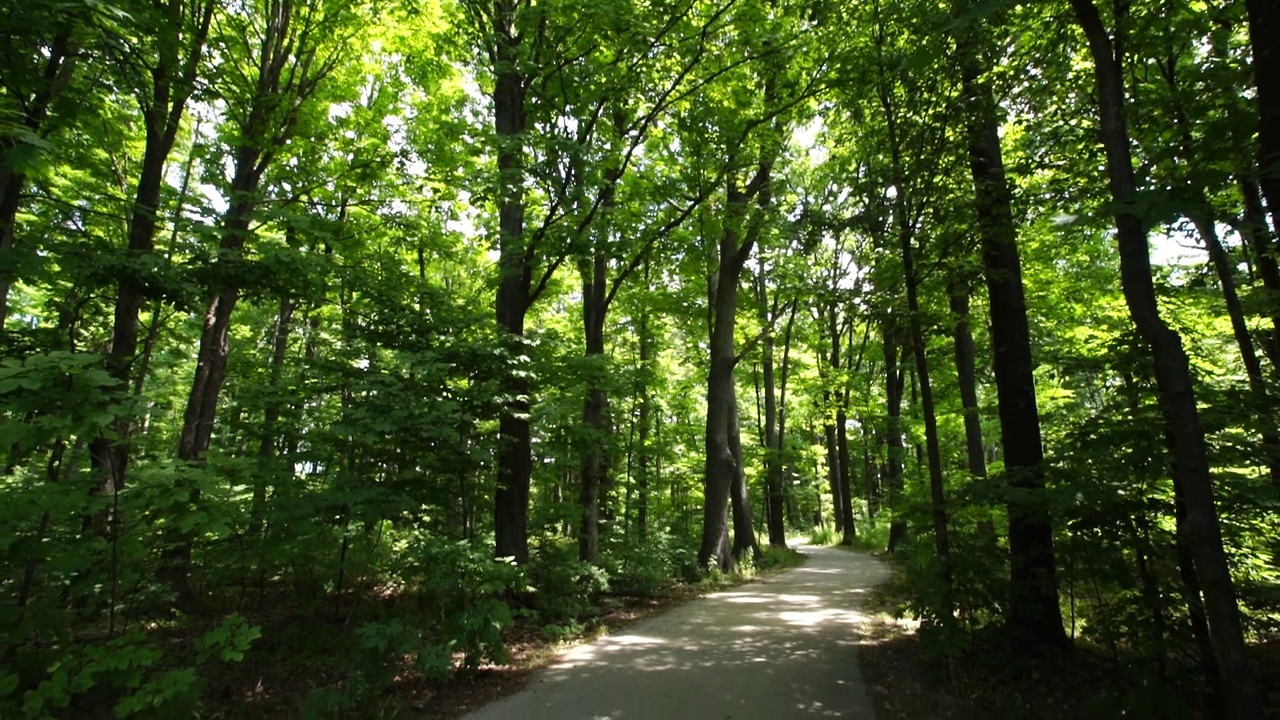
(1172, 370)
(1034, 612)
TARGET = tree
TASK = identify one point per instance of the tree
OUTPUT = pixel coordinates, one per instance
(1185, 434)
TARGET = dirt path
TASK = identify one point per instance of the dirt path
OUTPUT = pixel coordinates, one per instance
(784, 647)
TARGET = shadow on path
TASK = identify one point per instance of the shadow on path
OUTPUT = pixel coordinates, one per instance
(783, 647)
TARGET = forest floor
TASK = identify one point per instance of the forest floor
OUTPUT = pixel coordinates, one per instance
(784, 646)
(989, 680)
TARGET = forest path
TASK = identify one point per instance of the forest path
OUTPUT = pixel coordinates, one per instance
(782, 647)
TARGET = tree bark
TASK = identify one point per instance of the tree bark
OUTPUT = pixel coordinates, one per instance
(1262, 247)
(58, 66)
(966, 372)
(174, 77)
(744, 535)
(1264, 37)
(595, 417)
(1034, 614)
(515, 459)
(1173, 380)
(893, 429)
(942, 543)
(646, 402)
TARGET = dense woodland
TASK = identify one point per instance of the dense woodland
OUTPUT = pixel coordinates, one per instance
(387, 325)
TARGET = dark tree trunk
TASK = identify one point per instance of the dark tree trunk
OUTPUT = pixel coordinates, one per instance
(779, 498)
(833, 466)
(1264, 36)
(646, 401)
(1262, 248)
(966, 371)
(59, 64)
(893, 430)
(173, 81)
(772, 443)
(1173, 380)
(942, 543)
(271, 414)
(744, 535)
(719, 468)
(736, 242)
(1034, 614)
(1225, 270)
(849, 531)
(595, 417)
(515, 459)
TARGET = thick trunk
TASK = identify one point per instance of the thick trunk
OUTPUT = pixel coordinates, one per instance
(719, 467)
(1264, 36)
(1177, 398)
(515, 460)
(1034, 614)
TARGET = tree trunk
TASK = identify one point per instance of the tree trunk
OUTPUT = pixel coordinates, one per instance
(942, 543)
(1264, 36)
(515, 459)
(59, 63)
(271, 414)
(1034, 615)
(772, 447)
(1173, 380)
(646, 401)
(1225, 270)
(893, 430)
(780, 498)
(744, 535)
(595, 418)
(966, 371)
(1262, 247)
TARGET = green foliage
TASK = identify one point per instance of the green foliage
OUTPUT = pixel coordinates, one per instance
(644, 570)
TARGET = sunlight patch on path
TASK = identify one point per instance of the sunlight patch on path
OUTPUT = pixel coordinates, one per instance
(785, 647)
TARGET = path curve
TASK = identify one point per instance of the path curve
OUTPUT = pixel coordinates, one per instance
(782, 647)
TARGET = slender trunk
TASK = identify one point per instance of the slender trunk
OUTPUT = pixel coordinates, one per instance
(271, 414)
(744, 535)
(646, 401)
(942, 543)
(1225, 270)
(1262, 247)
(1034, 614)
(779, 497)
(595, 418)
(1173, 380)
(773, 453)
(966, 371)
(893, 430)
